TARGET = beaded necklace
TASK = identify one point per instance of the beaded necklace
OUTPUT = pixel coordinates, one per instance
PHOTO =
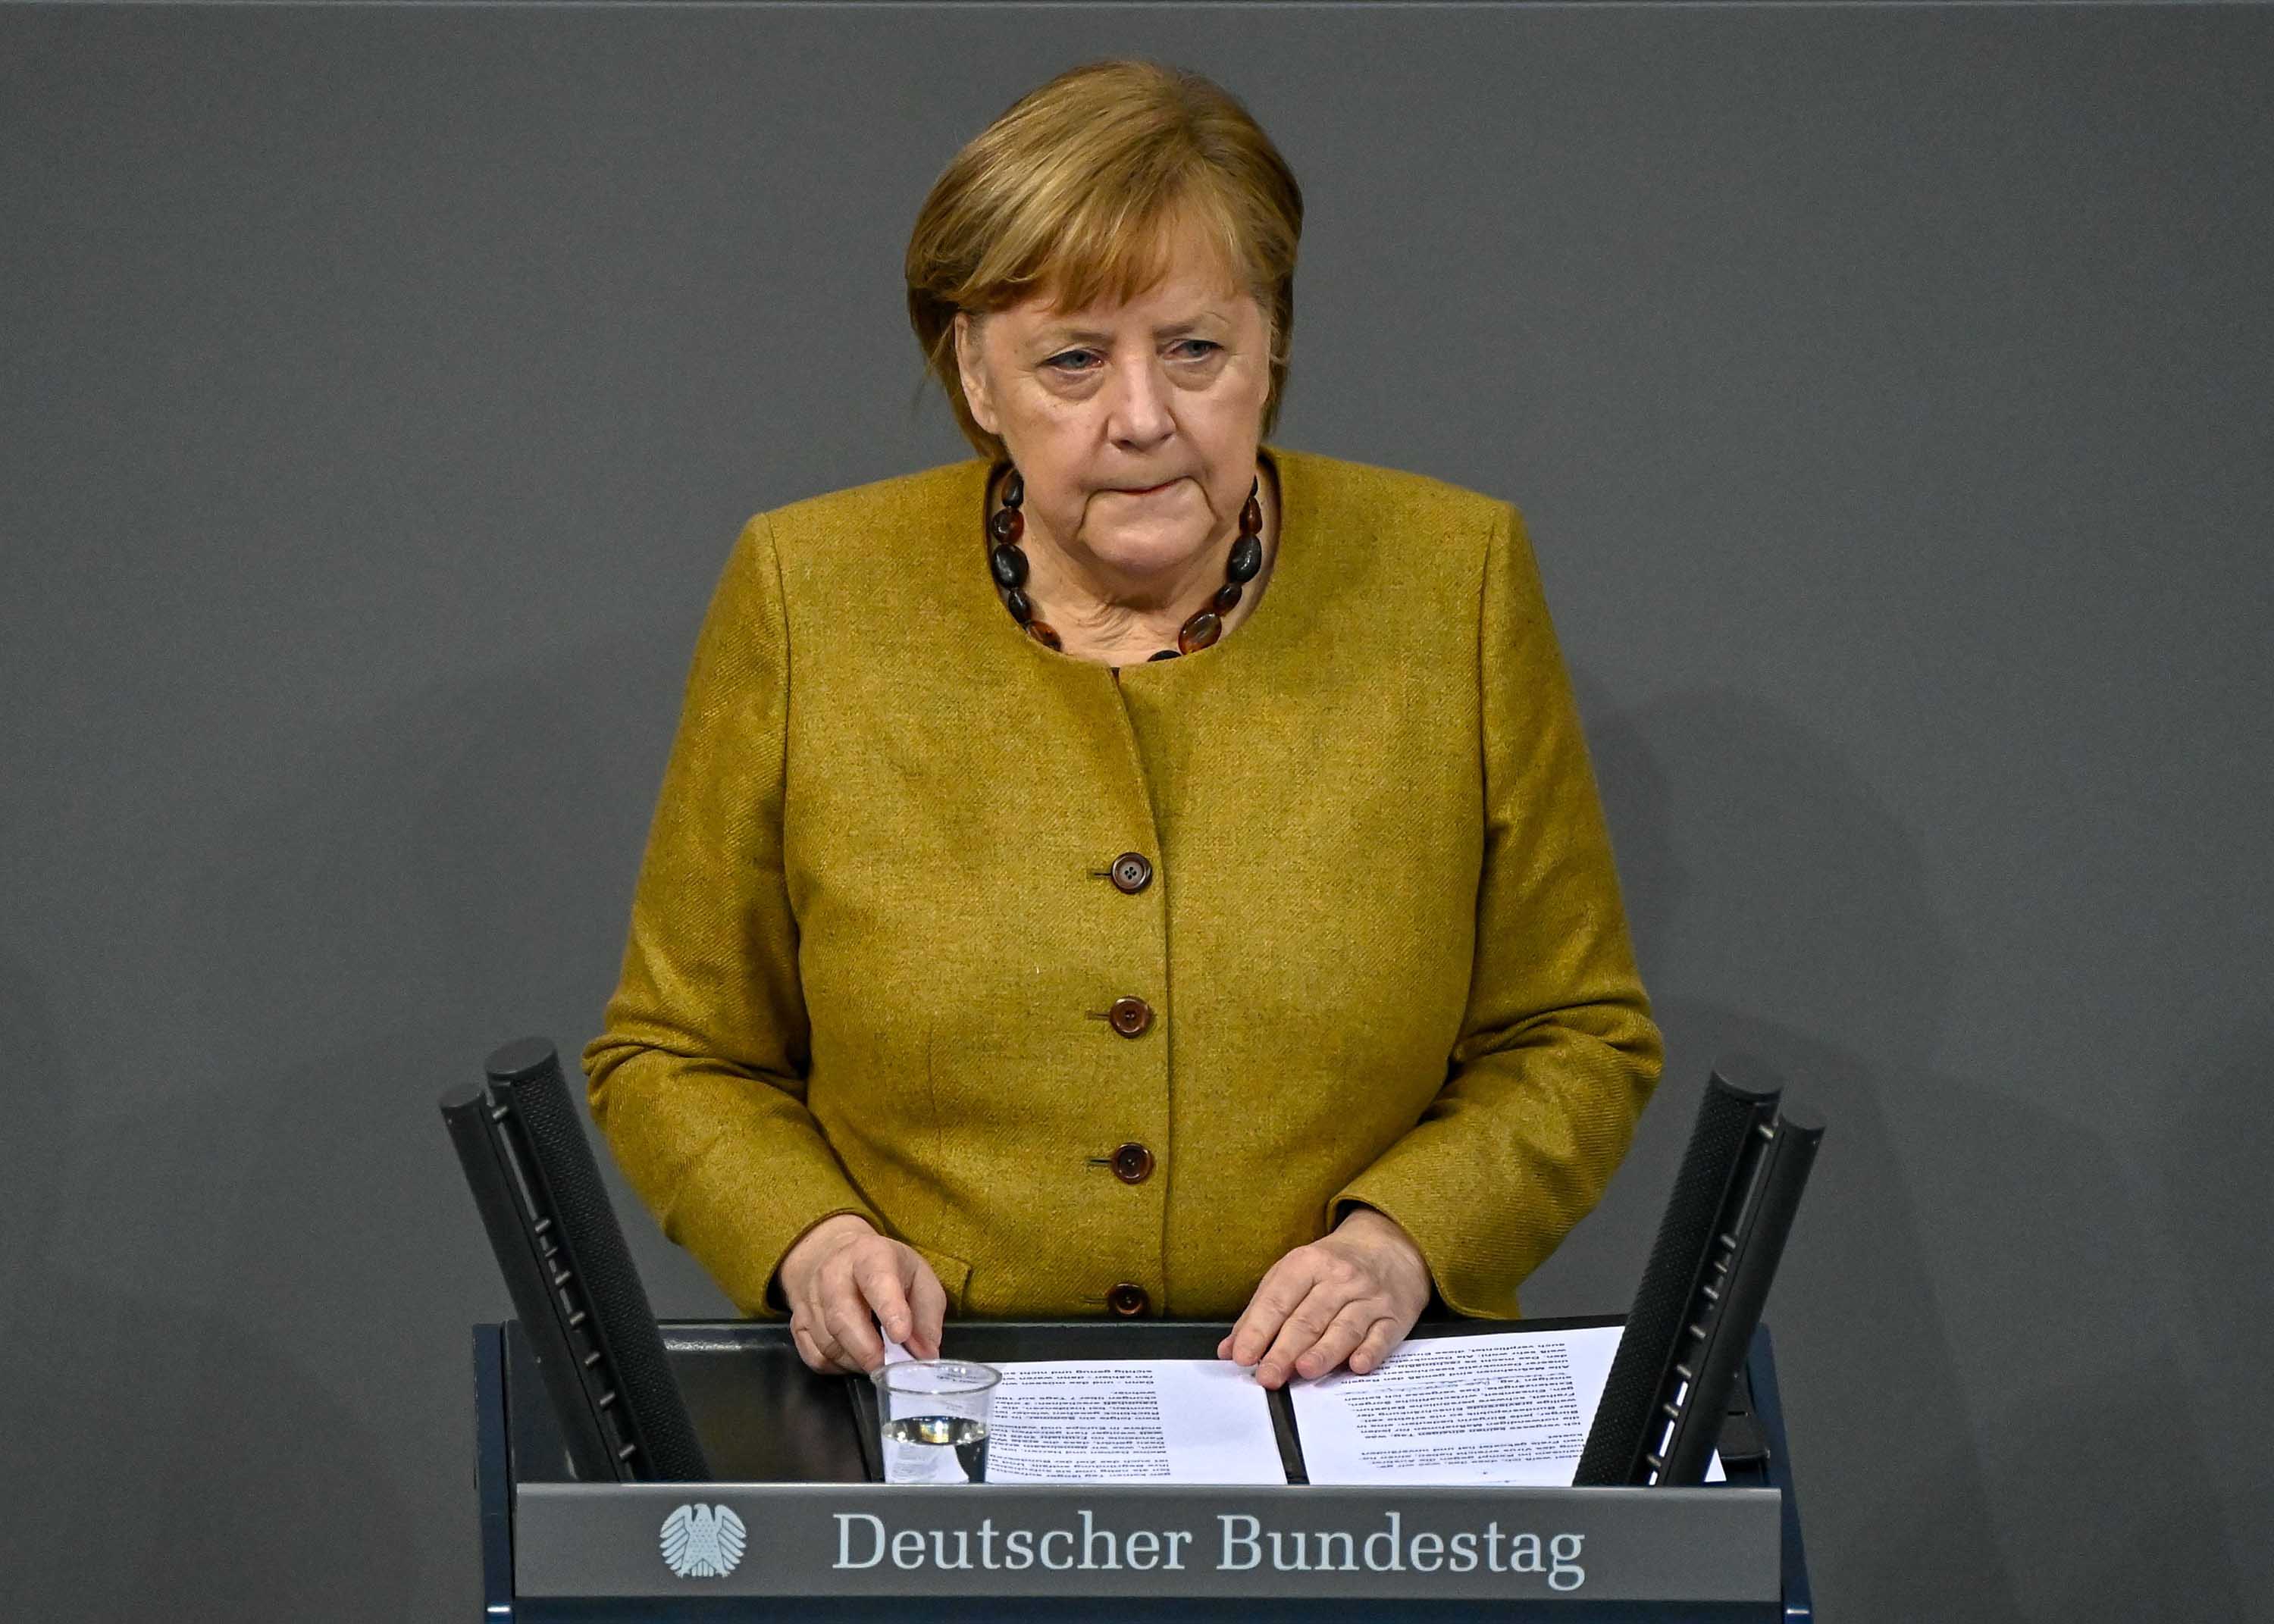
(1006, 525)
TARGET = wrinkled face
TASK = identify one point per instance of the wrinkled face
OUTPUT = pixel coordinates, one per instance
(1134, 425)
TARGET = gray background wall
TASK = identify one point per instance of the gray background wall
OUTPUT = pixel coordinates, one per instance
(1887, 391)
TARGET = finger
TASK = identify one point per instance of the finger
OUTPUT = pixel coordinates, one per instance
(1266, 1314)
(846, 1316)
(878, 1277)
(816, 1336)
(1345, 1332)
(1287, 1283)
(1299, 1334)
(831, 1349)
(810, 1350)
(1379, 1343)
(928, 1304)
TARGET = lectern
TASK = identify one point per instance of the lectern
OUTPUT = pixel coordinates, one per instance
(814, 1535)
(628, 1469)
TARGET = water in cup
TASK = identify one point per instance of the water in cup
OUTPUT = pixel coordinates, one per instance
(935, 1449)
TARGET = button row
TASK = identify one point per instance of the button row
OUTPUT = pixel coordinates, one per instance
(1133, 1163)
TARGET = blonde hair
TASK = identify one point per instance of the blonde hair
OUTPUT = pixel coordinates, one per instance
(1077, 191)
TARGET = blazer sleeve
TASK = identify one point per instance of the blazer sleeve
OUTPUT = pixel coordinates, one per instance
(1557, 1053)
(698, 1081)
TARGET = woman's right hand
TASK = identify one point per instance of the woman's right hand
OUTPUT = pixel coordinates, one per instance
(842, 1279)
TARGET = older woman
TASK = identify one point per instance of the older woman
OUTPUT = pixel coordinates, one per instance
(1140, 871)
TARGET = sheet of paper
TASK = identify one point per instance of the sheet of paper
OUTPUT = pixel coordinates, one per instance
(1131, 1421)
(1511, 1407)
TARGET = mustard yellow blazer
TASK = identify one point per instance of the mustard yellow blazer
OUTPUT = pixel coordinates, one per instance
(889, 954)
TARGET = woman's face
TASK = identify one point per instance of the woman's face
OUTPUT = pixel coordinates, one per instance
(1095, 405)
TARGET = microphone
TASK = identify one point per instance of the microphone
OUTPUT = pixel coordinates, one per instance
(1709, 1273)
(573, 1286)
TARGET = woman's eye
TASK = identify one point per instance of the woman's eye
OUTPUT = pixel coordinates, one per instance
(1193, 348)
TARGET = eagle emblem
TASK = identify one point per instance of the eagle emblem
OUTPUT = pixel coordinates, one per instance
(702, 1542)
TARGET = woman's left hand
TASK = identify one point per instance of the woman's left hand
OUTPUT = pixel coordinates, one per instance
(1353, 1295)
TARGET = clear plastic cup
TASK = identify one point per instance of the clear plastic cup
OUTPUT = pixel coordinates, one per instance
(932, 1414)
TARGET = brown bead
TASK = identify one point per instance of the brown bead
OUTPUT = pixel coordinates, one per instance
(1130, 1016)
(1006, 525)
(1022, 609)
(1201, 630)
(1246, 557)
(1009, 565)
(1251, 517)
(1164, 654)
(1128, 1300)
(1014, 489)
(1041, 632)
(1133, 1163)
(1227, 597)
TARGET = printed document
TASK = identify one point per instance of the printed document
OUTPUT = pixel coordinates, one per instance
(1128, 1421)
(1131, 1421)
(1510, 1407)
(1513, 1407)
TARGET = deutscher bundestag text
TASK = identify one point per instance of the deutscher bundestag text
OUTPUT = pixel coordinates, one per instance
(1242, 1543)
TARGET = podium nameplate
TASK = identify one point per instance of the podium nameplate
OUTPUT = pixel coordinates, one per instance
(1717, 1544)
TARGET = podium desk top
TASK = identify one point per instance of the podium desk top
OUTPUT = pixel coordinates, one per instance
(764, 1417)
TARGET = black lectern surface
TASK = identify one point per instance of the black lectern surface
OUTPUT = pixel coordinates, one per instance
(792, 1460)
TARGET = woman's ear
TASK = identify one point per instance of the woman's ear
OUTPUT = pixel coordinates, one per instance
(972, 370)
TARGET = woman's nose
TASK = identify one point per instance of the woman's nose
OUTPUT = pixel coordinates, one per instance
(1138, 404)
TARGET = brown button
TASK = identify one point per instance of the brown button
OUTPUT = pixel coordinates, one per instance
(1130, 1016)
(1127, 1301)
(1131, 872)
(1133, 1163)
